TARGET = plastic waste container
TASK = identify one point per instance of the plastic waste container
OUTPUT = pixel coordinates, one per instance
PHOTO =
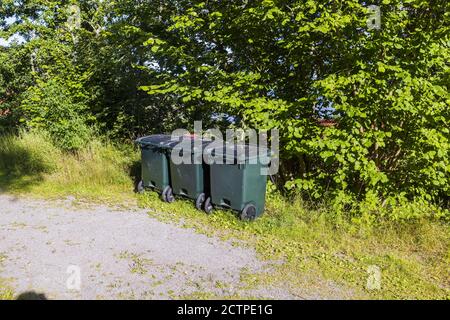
(191, 179)
(239, 185)
(155, 152)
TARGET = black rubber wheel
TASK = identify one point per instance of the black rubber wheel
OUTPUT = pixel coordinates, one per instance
(140, 187)
(249, 212)
(200, 200)
(167, 195)
(207, 206)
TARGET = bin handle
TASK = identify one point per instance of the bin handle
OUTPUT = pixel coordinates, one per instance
(272, 178)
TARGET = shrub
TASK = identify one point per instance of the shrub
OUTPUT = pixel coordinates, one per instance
(52, 107)
(291, 66)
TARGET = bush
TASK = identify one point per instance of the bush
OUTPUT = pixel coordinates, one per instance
(50, 106)
(291, 66)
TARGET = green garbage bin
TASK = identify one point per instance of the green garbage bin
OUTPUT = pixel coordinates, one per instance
(239, 185)
(155, 164)
(191, 180)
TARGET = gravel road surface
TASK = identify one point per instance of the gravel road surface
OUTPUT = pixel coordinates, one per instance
(65, 251)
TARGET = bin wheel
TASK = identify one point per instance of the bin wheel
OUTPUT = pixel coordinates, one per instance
(249, 212)
(167, 195)
(200, 200)
(140, 187)
(208, 207)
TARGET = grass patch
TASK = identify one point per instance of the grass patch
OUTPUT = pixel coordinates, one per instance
(6, 293)
(323, 254)
(101, 171)
(324, 257)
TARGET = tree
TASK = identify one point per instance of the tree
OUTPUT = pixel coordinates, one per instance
(288, 64)
(129, 68)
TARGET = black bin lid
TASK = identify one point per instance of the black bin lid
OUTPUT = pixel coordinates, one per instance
(242, 152)
(159, 140)
(168, 142)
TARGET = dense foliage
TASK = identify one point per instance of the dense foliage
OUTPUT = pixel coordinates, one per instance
(129, 67)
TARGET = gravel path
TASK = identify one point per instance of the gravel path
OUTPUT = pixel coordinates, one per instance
(66, 252)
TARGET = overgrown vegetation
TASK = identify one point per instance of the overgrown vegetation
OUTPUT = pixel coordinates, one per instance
(127, 68)
(328, 257)
(324, 254)
(30, 162)
(363, 115)
(6, 292)
(290, 64)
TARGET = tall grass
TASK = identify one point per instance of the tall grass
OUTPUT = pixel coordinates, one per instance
(413, 255)
(29, 153)
(31, 162)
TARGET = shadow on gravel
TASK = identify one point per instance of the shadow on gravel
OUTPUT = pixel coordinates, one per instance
(31, 295)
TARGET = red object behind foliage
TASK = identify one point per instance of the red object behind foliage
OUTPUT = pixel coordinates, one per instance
(327, 123)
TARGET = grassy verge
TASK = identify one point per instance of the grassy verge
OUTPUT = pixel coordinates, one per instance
(328, 259)
(6, 292)
(101, 171)
(323, 255)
